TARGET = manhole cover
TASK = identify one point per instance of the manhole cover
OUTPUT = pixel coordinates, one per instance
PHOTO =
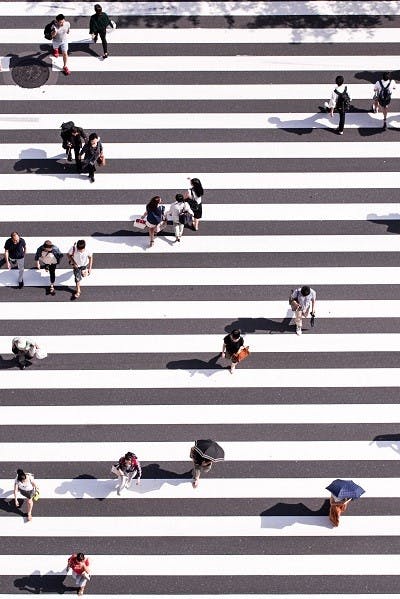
(29, 72)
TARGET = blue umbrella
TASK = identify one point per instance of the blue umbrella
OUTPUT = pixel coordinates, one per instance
(345, 489)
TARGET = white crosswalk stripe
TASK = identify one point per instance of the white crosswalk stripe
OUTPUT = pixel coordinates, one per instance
(231, 93)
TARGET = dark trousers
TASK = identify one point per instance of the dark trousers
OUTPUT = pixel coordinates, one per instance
(52, 273)
(91, 169)
(342, 118)
(102, 35)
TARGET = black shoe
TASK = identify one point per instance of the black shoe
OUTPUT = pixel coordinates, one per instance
(91, 179)
(105, 55)
(384, 125)
(22, 366)
(20, 285)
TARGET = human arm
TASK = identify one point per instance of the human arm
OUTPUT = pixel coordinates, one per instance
(6, 258)
(15, 494)
(223, 350)
(90, 264)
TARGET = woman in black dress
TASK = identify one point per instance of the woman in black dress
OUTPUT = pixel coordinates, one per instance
(232, 344)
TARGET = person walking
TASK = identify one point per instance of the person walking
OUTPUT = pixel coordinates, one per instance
(73, 139)
(301, 300)
(25, 484)
(200, 465)
(383, 90)
(49, 256)
(59, 33)
(195, 196)
(128, 467)
(24, 349)
(98, 27)
(179, 212)
(79, 566)
(155, 217)
(336, 509)
(340, 100)
(14, 255)
(93, 154)
(81, 260)
(233, 342)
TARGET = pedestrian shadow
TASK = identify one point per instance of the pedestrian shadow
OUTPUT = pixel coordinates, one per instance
(51, 582)
(391, 221)
(9, 505)
(77, 490)
(6, 364)
(284, 514)
(391, 441)
(84, 46)
(132, 238)
(35, 160)
(374, 76)
(302, 126)
(195, 365)
(251, 325)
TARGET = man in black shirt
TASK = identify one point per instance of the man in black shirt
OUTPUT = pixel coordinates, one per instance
(73, 139)
(14, 255)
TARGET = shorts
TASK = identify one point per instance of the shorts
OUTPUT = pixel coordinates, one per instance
(63, 46)
(78, 273)
(27, 494)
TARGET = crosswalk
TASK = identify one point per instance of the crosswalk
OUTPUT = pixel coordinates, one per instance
(229, 92)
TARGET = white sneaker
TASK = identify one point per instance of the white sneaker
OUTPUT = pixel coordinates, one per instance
(298, 331)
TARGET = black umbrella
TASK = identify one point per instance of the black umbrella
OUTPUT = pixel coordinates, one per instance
(209, 450)
(345, 489)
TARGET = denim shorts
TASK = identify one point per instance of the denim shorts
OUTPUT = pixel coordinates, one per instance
(63, 46)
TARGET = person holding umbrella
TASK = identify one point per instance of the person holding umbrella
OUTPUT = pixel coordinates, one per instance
(342, 492)
(203, 454)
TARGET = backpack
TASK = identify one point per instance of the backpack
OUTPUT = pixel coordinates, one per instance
(343, 100)
(48, 29)
(385, 94)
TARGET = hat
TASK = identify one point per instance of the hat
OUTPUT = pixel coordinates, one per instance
(21, 343)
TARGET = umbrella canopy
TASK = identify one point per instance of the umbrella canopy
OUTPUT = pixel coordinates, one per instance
(209, 450)
(345, 489)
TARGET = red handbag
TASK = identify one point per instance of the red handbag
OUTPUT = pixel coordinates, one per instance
(241, 355)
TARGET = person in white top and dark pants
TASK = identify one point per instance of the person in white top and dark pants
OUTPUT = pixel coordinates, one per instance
(178, 212)
(383, 90)
(336, 102)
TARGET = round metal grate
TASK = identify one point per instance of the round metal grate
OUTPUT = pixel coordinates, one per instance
(30, 72)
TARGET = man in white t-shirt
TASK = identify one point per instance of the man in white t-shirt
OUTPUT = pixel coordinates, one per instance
(59, 33)
(81, 260)
(383, 90)
(301, 300)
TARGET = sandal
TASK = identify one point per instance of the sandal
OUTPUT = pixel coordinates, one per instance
(52, 290)
(76, 295)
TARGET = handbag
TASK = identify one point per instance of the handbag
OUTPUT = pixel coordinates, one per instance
(241, 355)
(139, 223)
(184, 218)
(36, 495)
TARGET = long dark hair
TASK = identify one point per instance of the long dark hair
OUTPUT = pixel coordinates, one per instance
(197, 187)
(153, 204)
(21, 476)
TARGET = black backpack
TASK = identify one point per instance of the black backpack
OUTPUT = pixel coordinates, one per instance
(343, 100)
(385, 95)
(48, 29)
